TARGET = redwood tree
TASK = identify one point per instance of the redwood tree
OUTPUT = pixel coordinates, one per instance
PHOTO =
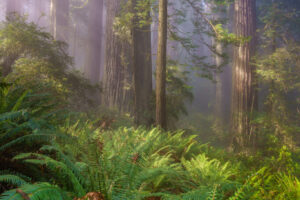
(117, 77)
(142, 65)
(244, 95)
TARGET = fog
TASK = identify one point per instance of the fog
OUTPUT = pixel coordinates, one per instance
(82, 25)
(39, 12)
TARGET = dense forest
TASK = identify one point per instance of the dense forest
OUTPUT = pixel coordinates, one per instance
(149, 100)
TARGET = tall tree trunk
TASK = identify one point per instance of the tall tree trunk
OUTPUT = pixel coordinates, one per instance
(244, 93)
(117, 78)
(161, 118)
(94, 49)
(142, 69)
(60, 19)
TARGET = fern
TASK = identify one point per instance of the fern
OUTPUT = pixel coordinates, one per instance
(60, 156)
(27, 138)
(13, 115)
(206, 171)
(38, 191)
(58, 169)
(12, 179)
(19, 101)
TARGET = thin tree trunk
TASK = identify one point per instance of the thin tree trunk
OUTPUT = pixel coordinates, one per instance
(244, 93)
(223, 79)
(219, 111)
(117, 79)
(94, 50)
(161, 62)
(60, 19)
(142, 69)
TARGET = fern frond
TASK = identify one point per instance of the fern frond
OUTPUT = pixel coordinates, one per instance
(60, 156)
(58, 169)
(19, 101)
(13, 115)
(30, 139)
(12, 179)
(38, 191)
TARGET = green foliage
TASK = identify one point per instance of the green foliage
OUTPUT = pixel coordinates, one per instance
(136, 163)
(178, 92)
(36, 192)
(278, 70)
(129, 163)
(210, 172)
(32, 58)
(12, 179)
(26, 125)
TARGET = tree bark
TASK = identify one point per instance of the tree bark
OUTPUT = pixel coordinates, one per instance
(60, 19)
(244, 93)
(142, 69)
(94, 49)
(161, 118)
(117, 78)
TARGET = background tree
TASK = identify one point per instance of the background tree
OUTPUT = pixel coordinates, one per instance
(221, 14)
(60, 19)
(117, 77)
(142, 63)
(161, 63)
(94, 46)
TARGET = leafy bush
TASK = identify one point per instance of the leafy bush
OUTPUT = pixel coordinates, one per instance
(32, 58)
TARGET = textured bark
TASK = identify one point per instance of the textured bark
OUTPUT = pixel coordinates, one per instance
(93, 54)
(142, 70)
(117, 78)
(161, 119)
(60, 19)
(244, 93)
